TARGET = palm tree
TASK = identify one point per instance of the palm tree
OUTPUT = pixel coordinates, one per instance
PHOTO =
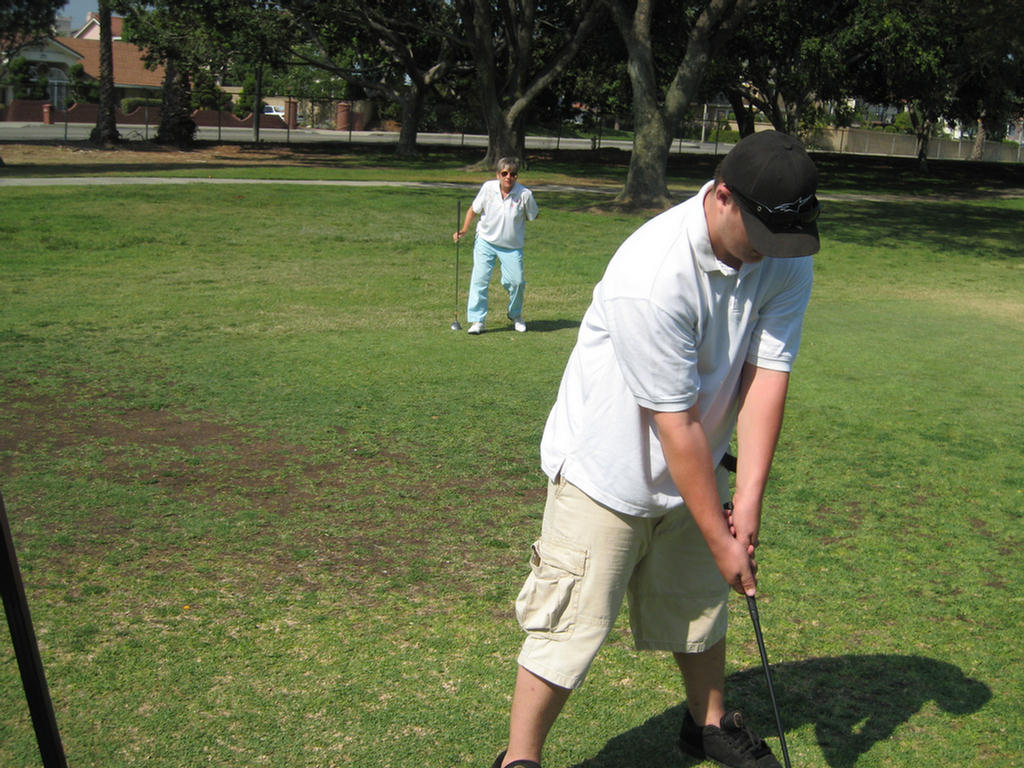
(105, 131)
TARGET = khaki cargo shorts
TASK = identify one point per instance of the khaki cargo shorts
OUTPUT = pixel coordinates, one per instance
(589, 557)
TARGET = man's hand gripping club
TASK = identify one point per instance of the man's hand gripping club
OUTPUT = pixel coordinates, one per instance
(688, 456)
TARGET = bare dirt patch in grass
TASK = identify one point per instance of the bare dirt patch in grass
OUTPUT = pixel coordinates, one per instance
(329, 520)
(83, 154)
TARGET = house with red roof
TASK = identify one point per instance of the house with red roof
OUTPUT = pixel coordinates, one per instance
(131, 76)
(54, 57)
(91, 29)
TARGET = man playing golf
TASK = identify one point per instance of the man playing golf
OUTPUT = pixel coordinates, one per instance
(504, 206)
(690, 338)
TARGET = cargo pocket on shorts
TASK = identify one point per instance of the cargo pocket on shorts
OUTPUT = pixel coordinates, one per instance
(549, 600)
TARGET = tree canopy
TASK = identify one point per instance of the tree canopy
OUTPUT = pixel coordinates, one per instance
(519, 49)
(22, 23)
(662, 95)
(794, 62)
(942, 59)
(396, 50)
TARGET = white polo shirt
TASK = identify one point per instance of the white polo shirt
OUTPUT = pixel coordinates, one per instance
(503, 220)
(670, 326)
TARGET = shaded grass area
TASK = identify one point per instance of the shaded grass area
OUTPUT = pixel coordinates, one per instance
(604, 168)
(270, 510)
(320, 160)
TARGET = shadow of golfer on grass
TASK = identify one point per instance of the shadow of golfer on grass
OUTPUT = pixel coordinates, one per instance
(537, 326)
(854, 702)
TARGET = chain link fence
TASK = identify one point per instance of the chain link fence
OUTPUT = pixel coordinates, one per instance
(706, 126)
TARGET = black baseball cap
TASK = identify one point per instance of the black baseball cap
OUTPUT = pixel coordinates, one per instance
(774, 182)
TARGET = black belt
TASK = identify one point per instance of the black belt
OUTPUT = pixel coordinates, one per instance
(729, 462)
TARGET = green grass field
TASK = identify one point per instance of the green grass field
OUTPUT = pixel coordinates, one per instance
(270, 510)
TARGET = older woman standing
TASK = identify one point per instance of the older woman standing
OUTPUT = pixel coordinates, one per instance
(504, 206)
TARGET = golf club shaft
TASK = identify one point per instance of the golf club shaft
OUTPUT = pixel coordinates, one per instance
(752, 605)
(458, 225)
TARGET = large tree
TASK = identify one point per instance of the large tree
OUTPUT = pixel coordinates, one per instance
(896, 57)
(173, 38)
(988, 70)
(941, 59)
(398, 50)
(595, 86)
(189, 36)
(783, 62)
(22, 23)
(105, 131)
(659, 106)
(519, 48)
(260, 36)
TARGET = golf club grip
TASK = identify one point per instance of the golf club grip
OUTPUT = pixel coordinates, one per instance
(756, 619)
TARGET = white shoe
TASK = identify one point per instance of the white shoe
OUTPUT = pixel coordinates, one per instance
(478, 328)
(519, 325)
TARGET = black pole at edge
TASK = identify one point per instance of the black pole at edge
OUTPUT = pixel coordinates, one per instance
(27, 652)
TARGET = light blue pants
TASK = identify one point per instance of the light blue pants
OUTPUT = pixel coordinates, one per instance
(512, 279)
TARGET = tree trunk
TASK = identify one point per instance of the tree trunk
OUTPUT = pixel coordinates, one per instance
(922, 152)
(922, 129)
(507, 97)
(105, 131)
(790, 113)
(978, 152)
(646, 185)
(257, 105)
(501, 142)
(411, 101)
(744, 114)
(645, 182)
(775, 117)
(176, 124)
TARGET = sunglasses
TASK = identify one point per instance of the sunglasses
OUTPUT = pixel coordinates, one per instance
(801, 212)
(513, 174)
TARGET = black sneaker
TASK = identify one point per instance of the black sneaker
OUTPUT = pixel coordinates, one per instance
(514, 763)
(734, 744)
(691, 741)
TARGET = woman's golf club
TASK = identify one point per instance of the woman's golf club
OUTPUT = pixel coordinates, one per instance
(752, 606)
(458, 223)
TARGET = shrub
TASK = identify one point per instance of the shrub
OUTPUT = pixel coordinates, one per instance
(244, 101)
(902, 124)
(28, 84)
(82, 88)
(130, 105)
(206, 94)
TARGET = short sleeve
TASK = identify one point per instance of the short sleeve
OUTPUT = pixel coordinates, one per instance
(480, 201)
(656, 352)
(531, 207)
(775, 339)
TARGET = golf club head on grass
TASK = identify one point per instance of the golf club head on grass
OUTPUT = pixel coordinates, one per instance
(456, 326)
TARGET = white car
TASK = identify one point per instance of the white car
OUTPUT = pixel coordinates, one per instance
(269, 109)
